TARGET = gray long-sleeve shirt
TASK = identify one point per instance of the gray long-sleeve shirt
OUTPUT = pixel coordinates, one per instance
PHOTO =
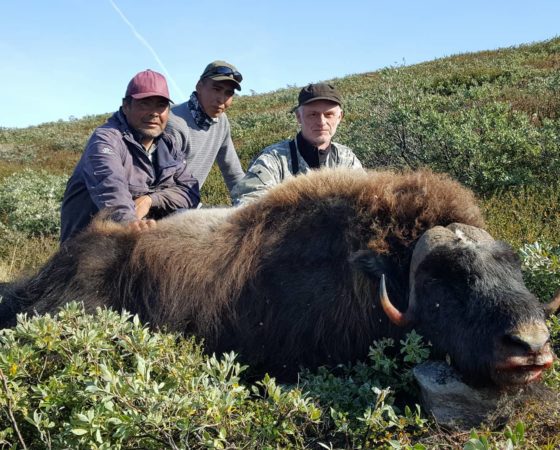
(204, 146)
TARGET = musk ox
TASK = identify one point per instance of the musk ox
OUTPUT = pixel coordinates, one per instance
(295, 278)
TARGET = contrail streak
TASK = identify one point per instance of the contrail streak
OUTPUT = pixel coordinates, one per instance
(149, 47)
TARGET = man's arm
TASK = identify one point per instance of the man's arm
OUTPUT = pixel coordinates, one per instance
(264, 172)
(183, 194)
(355, 163)
(105, 178)
(346, 157)
(228, 161)
(177, 188)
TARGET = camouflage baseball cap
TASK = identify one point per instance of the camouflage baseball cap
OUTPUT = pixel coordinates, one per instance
(319, 91)
(223, 71)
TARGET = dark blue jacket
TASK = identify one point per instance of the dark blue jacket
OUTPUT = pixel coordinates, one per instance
(114, 170)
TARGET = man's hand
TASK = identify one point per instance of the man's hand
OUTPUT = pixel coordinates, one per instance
(141, 225)
(142, 205)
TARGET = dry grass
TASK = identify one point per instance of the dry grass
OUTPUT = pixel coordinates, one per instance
(525, 215)
(24, 255)
(538, 406)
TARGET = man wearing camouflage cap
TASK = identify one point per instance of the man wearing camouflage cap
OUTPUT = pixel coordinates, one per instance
(201, 127)
(319, 112)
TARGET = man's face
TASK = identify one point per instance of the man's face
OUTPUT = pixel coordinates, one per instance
(215, 96)
(148, 116)
(318, 121)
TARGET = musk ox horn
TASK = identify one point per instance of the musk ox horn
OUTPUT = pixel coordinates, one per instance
(551, 307)
(474, 234)
(394, 315)
(453, 234)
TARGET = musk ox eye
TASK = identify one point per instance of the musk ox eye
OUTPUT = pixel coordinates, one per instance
(369, 262)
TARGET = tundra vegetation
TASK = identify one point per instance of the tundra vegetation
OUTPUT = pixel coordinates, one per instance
(490, 119)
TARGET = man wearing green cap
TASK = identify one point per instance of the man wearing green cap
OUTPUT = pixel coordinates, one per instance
(318, 113)
(201, 127)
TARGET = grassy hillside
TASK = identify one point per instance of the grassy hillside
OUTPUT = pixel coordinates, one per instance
(490, 119)
(482, 117)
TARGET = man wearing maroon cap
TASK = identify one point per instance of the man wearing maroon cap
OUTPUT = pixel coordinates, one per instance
(130, 167)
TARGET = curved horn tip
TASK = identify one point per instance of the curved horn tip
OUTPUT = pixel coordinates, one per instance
(394, 315)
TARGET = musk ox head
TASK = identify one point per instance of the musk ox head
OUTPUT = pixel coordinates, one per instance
(467, 297)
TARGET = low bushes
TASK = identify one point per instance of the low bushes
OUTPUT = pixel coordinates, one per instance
(107, 382)
(30, 202)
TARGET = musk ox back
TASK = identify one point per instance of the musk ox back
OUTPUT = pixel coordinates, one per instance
(292, 280)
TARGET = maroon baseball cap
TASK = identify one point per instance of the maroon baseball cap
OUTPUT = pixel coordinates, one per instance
(148, 84)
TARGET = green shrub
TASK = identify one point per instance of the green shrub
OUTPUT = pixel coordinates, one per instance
(514, 438)
(541, 269)
(361, 398)
(78, 381)
(350, 387)
(108, 382)
(30, 202)
(473, 135)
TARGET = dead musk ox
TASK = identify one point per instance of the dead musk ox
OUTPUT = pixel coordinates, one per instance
(295, 278)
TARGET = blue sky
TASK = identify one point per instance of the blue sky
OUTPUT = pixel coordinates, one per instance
(63, 58)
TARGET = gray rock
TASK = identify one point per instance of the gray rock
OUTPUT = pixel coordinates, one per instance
(452, 402)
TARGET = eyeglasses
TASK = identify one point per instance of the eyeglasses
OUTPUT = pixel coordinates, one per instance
(222, 70)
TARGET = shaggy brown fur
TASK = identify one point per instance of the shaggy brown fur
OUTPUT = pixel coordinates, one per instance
(271, 280)
(383, 211)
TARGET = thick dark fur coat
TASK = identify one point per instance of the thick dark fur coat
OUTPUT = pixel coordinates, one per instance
(272, 280)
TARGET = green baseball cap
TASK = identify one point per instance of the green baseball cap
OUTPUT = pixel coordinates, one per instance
(223, 71)
(318, 91)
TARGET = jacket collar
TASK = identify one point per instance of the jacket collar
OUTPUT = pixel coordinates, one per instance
(314, 157)
(128, 132)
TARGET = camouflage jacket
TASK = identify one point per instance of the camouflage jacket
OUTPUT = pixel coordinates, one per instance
(274, 165)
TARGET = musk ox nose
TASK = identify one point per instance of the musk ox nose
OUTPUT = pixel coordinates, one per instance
(531, 339)
(522, 355)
